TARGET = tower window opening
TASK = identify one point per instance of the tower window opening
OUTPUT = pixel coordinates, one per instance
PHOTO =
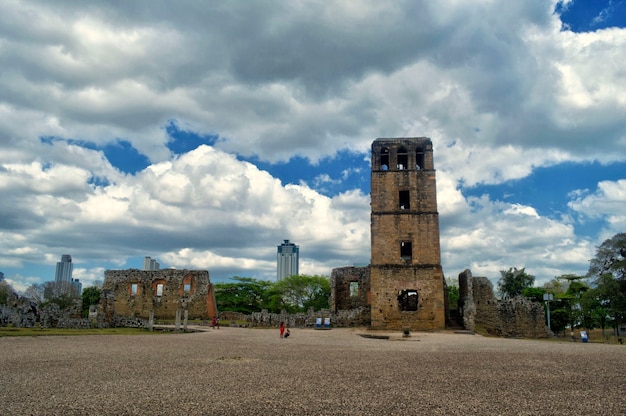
(419, 159)
(354, 289)
(408, 300)
(406, 251)
(404, 200)
(403, 159)
(134, 289)
(159, 290)
(384, 158)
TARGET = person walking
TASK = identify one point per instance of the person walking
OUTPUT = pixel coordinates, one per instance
(282, 329)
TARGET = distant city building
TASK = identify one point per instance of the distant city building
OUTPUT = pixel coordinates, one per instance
(287, 260)
(1, 276)
(63, 275)
(77, 287)
(63, 281)
(150, 264)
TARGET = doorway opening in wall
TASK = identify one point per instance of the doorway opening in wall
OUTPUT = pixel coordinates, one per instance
(408, 300)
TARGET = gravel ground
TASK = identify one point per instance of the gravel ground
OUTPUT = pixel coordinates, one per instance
(237, 371)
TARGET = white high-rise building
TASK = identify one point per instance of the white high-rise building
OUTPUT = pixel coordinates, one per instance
(63, 275)
(150, 264)
(287, 260)
(63, 282)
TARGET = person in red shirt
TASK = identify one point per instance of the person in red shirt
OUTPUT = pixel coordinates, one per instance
(282, 329)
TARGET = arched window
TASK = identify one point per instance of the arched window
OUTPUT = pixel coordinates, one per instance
(187, 286)
(158, 288)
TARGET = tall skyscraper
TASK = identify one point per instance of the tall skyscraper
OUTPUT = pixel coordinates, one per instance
(287, 260)
(63, 282)
(63, 275)
(150, 264)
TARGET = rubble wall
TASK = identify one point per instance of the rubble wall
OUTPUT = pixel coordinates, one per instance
(135, 293)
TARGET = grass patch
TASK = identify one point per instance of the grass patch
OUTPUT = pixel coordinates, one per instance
(38, 332)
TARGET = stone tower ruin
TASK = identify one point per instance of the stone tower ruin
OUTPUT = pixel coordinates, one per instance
(407, 283)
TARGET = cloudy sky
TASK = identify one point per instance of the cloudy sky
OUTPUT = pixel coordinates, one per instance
(203, 134)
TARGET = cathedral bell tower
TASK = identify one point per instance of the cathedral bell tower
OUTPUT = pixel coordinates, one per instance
(407, 286)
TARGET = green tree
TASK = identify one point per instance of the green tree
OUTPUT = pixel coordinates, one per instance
(90, 296)
(300, 292)
(513, 282)
(575, 288)
(244, 294)
(559, 314)
(5, 292)
(608, 269)
(453, 293)
(534, 293)
(594, 313)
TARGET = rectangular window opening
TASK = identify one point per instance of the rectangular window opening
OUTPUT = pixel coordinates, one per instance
(419, 159)
(134, 289)
(404, 200)
(187, 289)
(159, 290)
(406, 251)
(354, 289)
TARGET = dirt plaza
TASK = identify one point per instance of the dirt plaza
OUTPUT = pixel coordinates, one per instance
(239, 371)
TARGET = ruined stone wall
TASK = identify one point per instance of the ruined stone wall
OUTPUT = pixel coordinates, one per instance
(349, 288)
(18, 312)
(517, 317)
(387, 284)
(52, 316)
(134, 293)
(467, 308)
(359, 316)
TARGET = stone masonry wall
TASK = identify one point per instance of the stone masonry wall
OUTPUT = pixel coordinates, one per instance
(388, 281)
(517, 317)
(342, 297)
(134, 293)
(18, 312)
(467, 308)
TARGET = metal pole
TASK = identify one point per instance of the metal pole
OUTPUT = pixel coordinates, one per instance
(547, 297)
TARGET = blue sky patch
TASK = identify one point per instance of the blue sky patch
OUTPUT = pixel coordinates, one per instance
(588, 16)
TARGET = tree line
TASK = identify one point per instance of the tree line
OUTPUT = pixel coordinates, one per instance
(293, 294)
(596, 300)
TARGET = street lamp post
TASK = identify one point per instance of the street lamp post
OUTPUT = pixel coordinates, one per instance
(547, 297)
